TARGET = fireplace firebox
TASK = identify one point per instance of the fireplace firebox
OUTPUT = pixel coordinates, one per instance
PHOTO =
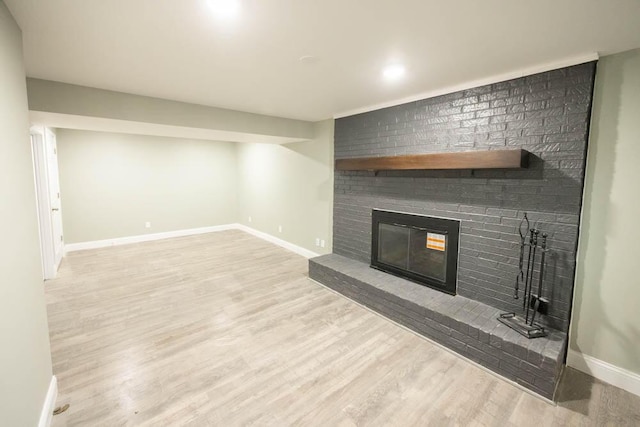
(420, 248)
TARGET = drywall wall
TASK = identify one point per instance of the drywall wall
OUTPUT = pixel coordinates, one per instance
(289, 185)
(112, 184)
(605, 322)
(114, 108)
(25, 359)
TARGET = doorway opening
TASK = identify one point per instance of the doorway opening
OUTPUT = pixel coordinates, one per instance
(45, 165)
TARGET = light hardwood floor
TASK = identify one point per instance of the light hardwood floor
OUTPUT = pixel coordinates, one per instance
(225, 329)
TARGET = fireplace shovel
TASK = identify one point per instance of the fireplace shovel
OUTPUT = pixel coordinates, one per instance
(532, 265)
(523, 237)
(526, 279)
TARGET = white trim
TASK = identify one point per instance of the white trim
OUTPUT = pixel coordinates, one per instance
(72, 247)
(96, 244)
(614, 375)
(269, 238)
(49, 403)
(568, 62)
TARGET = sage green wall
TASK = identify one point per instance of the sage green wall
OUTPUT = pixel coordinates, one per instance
(62, 98)
(111, 184)
(289, 185)
(606, 324)
(25, 359)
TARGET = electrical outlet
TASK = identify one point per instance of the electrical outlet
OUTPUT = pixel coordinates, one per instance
(249, 219)
(279, 229)
(147, 224)
(322, 243)
(317, 241)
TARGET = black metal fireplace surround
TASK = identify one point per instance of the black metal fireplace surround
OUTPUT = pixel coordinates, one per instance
(420, 248)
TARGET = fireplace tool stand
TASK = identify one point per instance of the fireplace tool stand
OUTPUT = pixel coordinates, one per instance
(525, 323)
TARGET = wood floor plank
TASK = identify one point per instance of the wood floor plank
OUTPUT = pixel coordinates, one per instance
(225, 329)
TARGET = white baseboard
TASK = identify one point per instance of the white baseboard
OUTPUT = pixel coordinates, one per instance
(49, 403)
(96, 244)
(72, 247)
(283, 243)
(619, 377)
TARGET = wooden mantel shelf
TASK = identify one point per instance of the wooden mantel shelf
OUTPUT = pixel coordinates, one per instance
(490, 159)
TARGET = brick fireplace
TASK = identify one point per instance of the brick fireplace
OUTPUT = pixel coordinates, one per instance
(546, 114)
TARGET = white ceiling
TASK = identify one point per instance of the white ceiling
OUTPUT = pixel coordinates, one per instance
(176, 49)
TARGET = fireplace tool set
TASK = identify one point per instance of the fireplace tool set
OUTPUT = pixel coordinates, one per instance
(536, 245)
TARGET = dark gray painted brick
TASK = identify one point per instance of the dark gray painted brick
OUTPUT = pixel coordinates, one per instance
(547, 114)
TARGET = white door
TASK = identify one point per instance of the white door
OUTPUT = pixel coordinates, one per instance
(54, 197)
(45, 163)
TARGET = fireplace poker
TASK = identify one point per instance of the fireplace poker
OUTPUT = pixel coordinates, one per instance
(536, 306)
(523, 236)
(529, 285)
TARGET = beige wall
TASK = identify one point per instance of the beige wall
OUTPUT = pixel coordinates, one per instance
(606, 323)
(111, 184)
(25, 360)
(289, 185)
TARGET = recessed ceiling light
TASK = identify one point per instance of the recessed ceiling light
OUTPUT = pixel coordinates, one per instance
(393, 72)
(225, 9)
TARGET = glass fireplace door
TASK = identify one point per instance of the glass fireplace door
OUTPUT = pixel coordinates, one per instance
(413, 249)
(420, 248)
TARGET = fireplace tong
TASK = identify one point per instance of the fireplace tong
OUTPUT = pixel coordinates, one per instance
(531, 303)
